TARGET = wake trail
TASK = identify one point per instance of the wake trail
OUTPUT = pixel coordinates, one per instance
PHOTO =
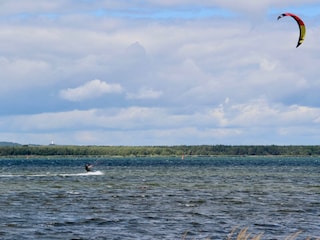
(93, 173)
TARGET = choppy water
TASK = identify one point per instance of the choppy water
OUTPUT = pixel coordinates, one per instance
(159, 198)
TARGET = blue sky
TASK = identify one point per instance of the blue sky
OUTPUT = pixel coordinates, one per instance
(158, 72)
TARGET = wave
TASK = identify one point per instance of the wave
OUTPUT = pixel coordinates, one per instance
(93, 173)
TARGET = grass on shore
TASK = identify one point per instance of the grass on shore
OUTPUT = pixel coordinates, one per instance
(243, 234)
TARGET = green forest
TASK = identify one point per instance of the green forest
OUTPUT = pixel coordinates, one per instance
(199, 150)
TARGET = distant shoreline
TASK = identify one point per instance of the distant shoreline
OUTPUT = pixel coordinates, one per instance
(156, 151)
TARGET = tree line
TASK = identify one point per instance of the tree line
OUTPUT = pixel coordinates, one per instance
(199, 150)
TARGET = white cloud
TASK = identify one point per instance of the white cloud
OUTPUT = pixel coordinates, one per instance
(13, 73)
(89, 90)
(145, 93)
(227, 123)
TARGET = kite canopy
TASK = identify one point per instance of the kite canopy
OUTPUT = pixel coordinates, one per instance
(300, 23)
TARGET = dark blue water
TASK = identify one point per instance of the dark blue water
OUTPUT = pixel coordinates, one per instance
(159, 198)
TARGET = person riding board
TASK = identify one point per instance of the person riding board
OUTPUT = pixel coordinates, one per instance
(88, 167)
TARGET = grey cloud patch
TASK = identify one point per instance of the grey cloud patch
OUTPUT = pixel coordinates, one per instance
(89, 90)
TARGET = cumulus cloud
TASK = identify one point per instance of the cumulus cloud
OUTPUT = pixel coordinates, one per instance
(89, 90)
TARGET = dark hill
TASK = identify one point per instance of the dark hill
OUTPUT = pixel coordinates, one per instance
(9, 144)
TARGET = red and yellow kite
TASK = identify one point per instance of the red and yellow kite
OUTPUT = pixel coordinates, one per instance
(301, 25)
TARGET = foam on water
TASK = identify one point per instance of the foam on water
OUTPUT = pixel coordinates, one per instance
(93, 173)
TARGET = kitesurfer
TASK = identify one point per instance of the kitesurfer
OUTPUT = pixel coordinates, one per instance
(88, 167)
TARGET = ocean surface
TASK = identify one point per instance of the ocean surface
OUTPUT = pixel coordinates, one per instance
(159, 198)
